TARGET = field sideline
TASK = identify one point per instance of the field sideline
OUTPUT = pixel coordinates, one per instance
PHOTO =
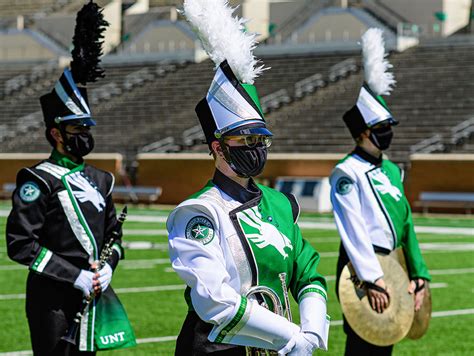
(153, 294)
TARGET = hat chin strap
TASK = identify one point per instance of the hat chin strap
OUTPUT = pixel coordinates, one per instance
(62, 130)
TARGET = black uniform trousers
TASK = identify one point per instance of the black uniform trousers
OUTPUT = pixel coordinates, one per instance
(192, 340)
(50, 307)
(355, 346)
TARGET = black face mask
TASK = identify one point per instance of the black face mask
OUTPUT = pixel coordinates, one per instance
(247, 162)
(78, 144)
(381, 137)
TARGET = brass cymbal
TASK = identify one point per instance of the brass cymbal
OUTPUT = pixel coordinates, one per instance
(421, 321)
(394, 323)
(422, 318)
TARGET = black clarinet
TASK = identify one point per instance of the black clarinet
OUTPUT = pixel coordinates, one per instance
(105, 254)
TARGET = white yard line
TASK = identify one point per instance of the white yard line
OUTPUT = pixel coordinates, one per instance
(163, 288)
(438, 230)
(172, 287)
(438, 285)
(126, 264)
(323, 224)
(451, 271)
(441, 314)
(145, 218)
(145, 232)
(154, 340)
(145, 245)
(447, 246)
(150, 289)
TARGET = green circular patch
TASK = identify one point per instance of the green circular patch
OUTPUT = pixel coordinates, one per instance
(200, 229)
(344, 185)
(29, 192)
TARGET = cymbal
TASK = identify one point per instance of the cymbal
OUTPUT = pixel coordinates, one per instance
(394, 323)
(421, 321)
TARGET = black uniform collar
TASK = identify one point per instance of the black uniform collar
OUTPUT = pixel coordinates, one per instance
(376, 161)
(234, 189)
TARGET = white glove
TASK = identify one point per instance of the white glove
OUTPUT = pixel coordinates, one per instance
(304, 344)
(105, 276)
(84, 282)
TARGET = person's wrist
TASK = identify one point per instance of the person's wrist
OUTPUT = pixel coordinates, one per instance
(289, 345)
(313, 339)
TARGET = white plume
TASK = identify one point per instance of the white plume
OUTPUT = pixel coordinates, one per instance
(223, 36)
(375, 65)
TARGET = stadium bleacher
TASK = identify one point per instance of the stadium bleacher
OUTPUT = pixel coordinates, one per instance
(425, 104)
(165, 107)
(31, 7)
(304, 96)
(150, 103)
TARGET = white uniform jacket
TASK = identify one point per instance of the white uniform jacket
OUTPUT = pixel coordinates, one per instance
(222, 247)
(372, 213)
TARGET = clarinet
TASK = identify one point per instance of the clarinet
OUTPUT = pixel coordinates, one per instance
(105, 254)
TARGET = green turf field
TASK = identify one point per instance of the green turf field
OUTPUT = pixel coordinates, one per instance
(153, 294)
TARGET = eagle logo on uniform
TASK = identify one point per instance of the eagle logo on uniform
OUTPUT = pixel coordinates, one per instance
(262, 233)
(384, 186)
(86, 192)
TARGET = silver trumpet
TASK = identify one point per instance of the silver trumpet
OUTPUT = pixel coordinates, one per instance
(277, 309)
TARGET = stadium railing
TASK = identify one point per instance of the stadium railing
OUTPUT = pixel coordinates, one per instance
(275, 100)
(164, 145)
(429, 145)
(462, 131)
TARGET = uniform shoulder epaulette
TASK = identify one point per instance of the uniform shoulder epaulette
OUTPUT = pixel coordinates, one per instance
(32, 174)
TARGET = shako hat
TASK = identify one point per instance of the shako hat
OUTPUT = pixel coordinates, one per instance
(67, 102)
(371, 108)
(231, 106)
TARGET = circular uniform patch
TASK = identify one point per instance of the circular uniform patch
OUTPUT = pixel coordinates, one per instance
(29, 192)
(200, 229)
(344, 185)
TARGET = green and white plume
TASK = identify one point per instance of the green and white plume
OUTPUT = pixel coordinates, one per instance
(232, 101)
(371, 108)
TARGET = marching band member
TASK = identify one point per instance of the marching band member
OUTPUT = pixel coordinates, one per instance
(231, 241)
(63, 211)
(370, 208)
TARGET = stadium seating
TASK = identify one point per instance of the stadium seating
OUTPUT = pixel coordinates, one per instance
(139, 105)
(155, 109)
(430, 98)
(30, 7)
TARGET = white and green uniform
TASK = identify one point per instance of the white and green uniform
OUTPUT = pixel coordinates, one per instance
(372, 213)
(226, 239)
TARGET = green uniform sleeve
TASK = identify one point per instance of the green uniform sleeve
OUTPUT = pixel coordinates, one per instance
(415, 262)
(306, 280)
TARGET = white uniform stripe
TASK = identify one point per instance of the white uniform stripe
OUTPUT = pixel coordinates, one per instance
(74, 222)
(119, 251)
(44, 261)
(54, 170)
(112, 185)
(83, 330)
(39, 177)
